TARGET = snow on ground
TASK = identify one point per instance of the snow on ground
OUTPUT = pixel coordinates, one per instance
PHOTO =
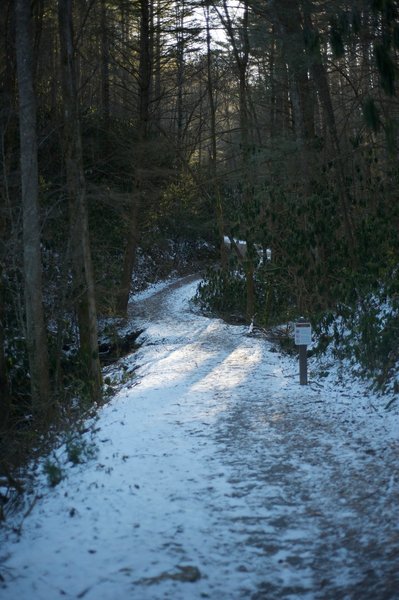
(217, 476)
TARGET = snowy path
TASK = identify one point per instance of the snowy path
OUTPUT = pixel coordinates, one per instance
(218, 476)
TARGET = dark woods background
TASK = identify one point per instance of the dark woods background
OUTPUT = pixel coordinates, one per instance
(128, 123)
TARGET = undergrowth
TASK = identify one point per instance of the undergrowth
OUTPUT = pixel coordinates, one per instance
(366, 334)
(224, 294)
(363, 332)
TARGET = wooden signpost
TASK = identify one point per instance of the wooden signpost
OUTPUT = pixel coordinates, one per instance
(303, 337)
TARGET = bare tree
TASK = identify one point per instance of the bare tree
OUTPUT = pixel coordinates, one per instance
(241, 53)
(83, 282)
(143, 127)
(319, 73)
(213, 149)
(36, 337)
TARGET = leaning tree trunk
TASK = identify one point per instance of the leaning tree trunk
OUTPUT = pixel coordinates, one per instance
(36, 336)
(83, 282)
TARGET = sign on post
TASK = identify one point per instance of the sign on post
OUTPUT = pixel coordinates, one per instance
(303, 333)
(303, 337)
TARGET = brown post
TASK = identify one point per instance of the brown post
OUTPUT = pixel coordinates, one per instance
(303, 365)
(303, 335)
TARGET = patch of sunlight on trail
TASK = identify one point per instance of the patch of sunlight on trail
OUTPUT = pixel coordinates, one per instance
(232, 371)
(177, 365)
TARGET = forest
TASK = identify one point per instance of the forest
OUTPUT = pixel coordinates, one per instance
(128, 125)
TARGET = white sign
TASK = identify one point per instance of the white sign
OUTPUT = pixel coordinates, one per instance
(303, 334)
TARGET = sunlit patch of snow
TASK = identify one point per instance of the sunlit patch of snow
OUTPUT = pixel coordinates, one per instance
(176, 366)
(230, 372)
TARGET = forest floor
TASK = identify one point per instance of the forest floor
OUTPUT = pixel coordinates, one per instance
(213, 474)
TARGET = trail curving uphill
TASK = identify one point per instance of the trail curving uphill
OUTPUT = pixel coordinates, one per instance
(217, 476)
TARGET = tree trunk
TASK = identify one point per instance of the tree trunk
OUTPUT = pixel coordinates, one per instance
(157, 93)
(4, 389)
(241, 57)
(247, 184)
(145, 77)
(289, 20)
(105, 97)
(180, 48)
(242, 60)
(145, 70)
(213, 155)
(36, 336)
(320, 77)
(83, 282)
(129, 258)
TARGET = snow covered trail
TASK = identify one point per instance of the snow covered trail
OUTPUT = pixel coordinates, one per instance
(217, 476)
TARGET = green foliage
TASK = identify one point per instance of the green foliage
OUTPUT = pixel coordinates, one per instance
(53, 472)
(386, 68)
(336, 42)
(312, 41)
(366, 333)
(183, 210)
(371, 114)
(222, 293)
(356, 20)
(386, 7)
(107, 238)
(79, 450)
(339, 28)
(395, 36)
(378, 5)
(391, 128)
(307, 244)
